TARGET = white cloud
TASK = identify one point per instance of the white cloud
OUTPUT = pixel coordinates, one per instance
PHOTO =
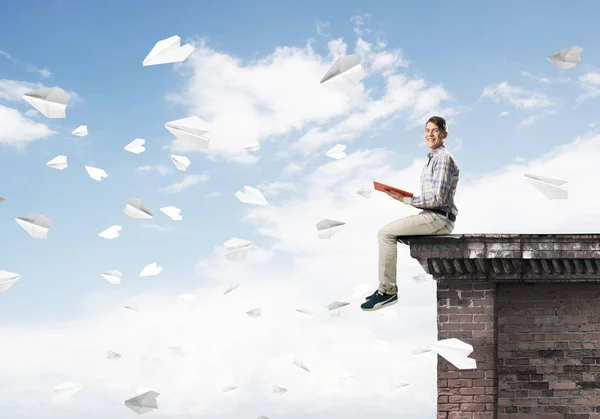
(44, 72)
(545, 79)
(590, 83)
(518, 97)
(18, 130)
(504, 113)
(156, 227)
(13, 90)
(274, 188)
(161, 169)
(361, 24)
(187, 182)
(534, 118)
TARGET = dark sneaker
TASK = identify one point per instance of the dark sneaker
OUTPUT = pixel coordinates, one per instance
(379, 300)
(371, 296)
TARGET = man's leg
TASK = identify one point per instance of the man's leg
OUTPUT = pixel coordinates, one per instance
(416, 225)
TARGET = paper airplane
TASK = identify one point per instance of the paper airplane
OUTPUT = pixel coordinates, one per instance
(346, 67)
(130, 309)
(180, 162)
(168, 51)
(253, 147)
(254, 313)
(422, 277)
(7, 280)
(172, 212)
(337, 152)
(112, 355)
(58, 163)
(567, 58)
(455, 352)
(420, 351)
(229, 388)
(236, 249)
(65, 391)
(50, 101)
(336, 305)
(36, 225)
(111, 232)
(192, 129)
(143, 403)
(279, 390)
(2, 200)
(151, 270)
(232, 287)
(95, 173)
(136, 146)
(251, 196)
(80, 131)
(135, 208)
(549, 187)
(326, 228)
(399, 383)
(114, 276)
(304, 311)
(300, 364)
(364, 192)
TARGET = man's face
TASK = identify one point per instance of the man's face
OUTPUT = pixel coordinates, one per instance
(433, 136)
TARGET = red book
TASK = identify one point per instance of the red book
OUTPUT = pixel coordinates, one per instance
(384, 188)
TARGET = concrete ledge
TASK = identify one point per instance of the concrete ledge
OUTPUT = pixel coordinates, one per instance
(508, 257)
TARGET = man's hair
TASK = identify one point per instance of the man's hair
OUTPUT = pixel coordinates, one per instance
(439, 122)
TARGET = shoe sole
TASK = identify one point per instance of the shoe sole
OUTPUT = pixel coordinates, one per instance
(382, 305)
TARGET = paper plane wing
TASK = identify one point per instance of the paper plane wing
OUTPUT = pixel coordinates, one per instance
(135, 208)
(136, 146)
(81, 131)
(114, 276)
(58, 162)
(173, 213)
(7, 280)
(549, 190)
(111, 232)
(191, 129)
(50, 101)
(181, 162)
(95, 173)
(36, 225)
(251, 196)
(326, 228)
(168, 51)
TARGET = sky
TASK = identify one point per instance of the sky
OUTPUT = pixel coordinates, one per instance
(254, 76)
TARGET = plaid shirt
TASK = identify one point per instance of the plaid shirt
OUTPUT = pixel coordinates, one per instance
(438, 183)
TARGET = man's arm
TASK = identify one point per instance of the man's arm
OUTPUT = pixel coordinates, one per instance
(442, 181)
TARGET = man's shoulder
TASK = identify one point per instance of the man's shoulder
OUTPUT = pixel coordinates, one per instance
(444, 155)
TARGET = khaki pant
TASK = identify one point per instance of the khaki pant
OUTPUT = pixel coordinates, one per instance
(426, 223)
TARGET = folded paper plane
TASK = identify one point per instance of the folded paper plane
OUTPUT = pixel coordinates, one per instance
(300, 364)
(173, 213)
(81, 131)
(180, 162)
(136, 146)
(135, 208)
(58, 163)
(65, 391)
(151, 270)
(254, 313)
(336, 305)
(36, 225)
(326, 228)
(167, 51)
(231, 288)
(365, 193)
(95, 173)
(229, 388)
(236, 249)
(50, 101)
(567, 58)
(337, 152)
(130, 309)
(2, 200)
(346, 67)
(114, 276)
(279, 390)
(253, 147)
(549, 187)
(422, 277)
(7, 280)
(191, 130)
(114, 356)
(111, 232)
(251, 196)
(143, 403)
(455, 352)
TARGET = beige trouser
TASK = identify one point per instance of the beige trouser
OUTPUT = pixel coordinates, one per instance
(425, 223)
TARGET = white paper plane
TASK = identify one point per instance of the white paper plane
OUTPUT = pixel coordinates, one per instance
(337, 152)
(236, 249)
(130, 309)
(192, 129)
(7, 280)
(304, 311)
(420, 351)
(136, 146)
(422, 277)
(399, 383)
(135, 208)
(50, 101)
(279, 390)
(114, 276)
(36, 225)
(251, 196)
(143, 403)
(231, 288)
(180, 162)
(112, 355)
(65, 391)
(455, 352)
(326, 228)
(172, 212)
(95, 173)
(365, 193)
(253, 147)
(81, 131)
(151, 270)
(566, 58)
(229, 388)
(347, 67)
(2, 200)
(168, 51)
(254, 313)
(58, 163)
(111, 232)
(549, 187)
(300, 364)
(336, 305)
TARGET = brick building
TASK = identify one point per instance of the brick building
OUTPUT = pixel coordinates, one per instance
(530, 306)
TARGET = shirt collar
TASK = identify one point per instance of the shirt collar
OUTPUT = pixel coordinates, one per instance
(436, 151)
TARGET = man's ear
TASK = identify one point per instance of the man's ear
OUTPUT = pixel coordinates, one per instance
(445, 134)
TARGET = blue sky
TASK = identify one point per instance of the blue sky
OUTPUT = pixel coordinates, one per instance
(96, 49)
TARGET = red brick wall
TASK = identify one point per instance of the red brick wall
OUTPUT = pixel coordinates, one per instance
(548, 350)
(467, 311)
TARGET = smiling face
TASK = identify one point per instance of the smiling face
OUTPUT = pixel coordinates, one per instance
(434, 137)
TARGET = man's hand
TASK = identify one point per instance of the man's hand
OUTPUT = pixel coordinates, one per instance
(396, 195)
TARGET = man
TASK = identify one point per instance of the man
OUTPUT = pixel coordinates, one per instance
(438, 185)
